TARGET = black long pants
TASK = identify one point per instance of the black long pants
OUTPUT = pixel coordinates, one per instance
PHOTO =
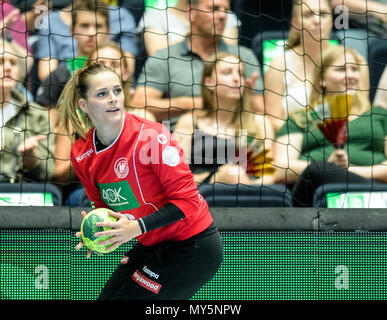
(166, 271)
(317, 174)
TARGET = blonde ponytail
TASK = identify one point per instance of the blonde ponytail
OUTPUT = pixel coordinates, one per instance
(68, 117)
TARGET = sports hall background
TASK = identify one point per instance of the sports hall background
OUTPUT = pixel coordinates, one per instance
(272, 250)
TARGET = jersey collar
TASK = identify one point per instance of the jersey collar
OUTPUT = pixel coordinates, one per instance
(113, 143)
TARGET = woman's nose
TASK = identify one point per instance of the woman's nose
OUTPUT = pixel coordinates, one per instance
(221, 14)
(7, 65)
(352, 75)
(236, 77)
(112, 97)
(316, 18)
(91, 31)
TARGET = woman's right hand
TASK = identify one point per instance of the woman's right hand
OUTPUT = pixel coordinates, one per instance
(339, 157)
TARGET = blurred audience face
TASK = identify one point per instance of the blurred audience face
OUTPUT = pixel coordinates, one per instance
(90, 29)
(314, 18)
(342, 76)
(209, 17)
(9, 67)
(111, 58)
(227, 80)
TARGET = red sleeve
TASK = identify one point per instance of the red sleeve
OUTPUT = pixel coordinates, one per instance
(168, 162)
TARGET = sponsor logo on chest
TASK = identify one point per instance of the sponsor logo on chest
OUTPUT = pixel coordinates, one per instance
(119, 196)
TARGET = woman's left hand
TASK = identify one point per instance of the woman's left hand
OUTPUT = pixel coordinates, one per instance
(123, 230)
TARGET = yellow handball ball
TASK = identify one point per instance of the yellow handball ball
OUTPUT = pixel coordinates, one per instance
(89, 228)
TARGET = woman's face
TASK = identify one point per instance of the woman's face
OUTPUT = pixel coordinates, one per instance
(343, 76)
(105, 99)
(111, 58)
(227, 79)
(315, 20)
(9, 68)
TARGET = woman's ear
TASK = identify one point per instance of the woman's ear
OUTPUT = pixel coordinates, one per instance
(294, 23)
(82, 105)
(322, 84)
(191, 14)
(126, 73)
(209, 83)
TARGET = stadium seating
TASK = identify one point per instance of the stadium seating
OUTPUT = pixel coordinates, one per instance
(357, 189)
(224, 195)
(78, 198)
(7, 190)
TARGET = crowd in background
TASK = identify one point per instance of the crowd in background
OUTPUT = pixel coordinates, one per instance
(192, 65)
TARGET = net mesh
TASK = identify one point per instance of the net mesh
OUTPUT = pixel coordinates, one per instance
(162, 84)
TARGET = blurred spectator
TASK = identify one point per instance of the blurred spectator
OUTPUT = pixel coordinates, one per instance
(380, 99)
(288, 79)
(13, 26)
(27, 149)
(14, 29)
(87, 18)
(212, 137)
(170, 82)
(31, 12)
(304, 156)
(165, 27)
(55, 43)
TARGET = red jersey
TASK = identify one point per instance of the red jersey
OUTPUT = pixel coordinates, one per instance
(140, 172)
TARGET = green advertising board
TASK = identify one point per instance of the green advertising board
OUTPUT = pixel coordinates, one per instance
(291, 265)
(374, 199)
(26, 199)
